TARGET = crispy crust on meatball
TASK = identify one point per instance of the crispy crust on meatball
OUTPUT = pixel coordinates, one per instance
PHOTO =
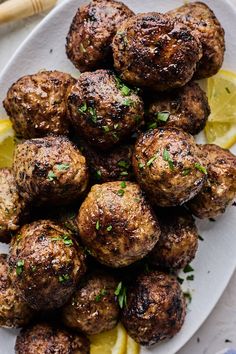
(12, 206)
(219, 190)
(153, 51)
(46, 264)
(203, 24)
(178, 242)
(167, 166)
(186, 108)
(155, 308)
(45, 338)
(112, 165)
(117, 224)
(50, 170)
(36, 104)
(104, 110)
(93, 308)
(91, 33)
(14, 312)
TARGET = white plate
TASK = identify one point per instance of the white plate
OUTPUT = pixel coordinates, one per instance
(216, 259)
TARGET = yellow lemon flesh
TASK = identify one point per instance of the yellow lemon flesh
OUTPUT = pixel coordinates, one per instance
(111, 342)
(6, 143)
(132, 346)
(221, 126)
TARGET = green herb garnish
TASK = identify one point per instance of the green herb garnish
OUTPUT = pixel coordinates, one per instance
(63, 278)
(200, 238)
(116, 126)
(125, 90)
(188, 296)
(124, 173)
(123, 164)
(65, 238)
(106, 128)
(97, 225)
(186, 171)
(180, 280)
(190, 277)
(82, 49)
(100, 295)
(152, 125)
(93, 114)
(128, 102)
(83, 108)
(123, 184)
(120, 292)
(200, 168)
(120, 192)
(167, 158)
(109, 228)
(63, 166)
(188, 269)
(19, 267)
(163, 116)
(51, 176)
(98, 174)
(141, 165)
(152, 159)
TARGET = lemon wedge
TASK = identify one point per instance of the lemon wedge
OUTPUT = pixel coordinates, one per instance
(111, 342)
(132, 346)
(221, 126)
(6, 143)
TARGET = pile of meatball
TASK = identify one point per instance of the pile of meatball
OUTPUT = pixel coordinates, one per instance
(106, 176)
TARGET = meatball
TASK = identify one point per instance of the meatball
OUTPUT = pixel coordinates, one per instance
(203, 24)
(112, 165)
(50, 170)
(178, 242)
(12, 207)
(14, 312)
(219, 189)
(46, 264)
(155, 308)
(186, 108)
(93, 308)
(153, 51)
(44, 338)
(168, 167)
(36, 104)
(104, 110)
(117, 224)
(92, 30)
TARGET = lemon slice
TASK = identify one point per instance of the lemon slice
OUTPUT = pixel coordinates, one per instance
(111, 342)
(132, 346)
(6, 143)
(221, 126)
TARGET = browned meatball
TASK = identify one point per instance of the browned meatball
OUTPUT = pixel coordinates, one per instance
(117, 224)
(50, 170)
(103, 110)
(94, 25)
(93, 308)
(45, 338)
(14, 312)
(186, 108)
(46, 264)
(178, 242)
(12, 206)
(36, 104)
(219, 189)
(155, 308)
(168, 167)
(153, 51)
(203, 24)
(112, 165)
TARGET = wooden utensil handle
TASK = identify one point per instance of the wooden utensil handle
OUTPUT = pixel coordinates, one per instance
(15, 9)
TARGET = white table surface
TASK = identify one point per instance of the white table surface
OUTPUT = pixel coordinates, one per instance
(220, 327)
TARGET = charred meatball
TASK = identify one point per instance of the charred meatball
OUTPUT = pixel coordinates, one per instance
(178, 242)
(153, 51)
(50, 170)
(113, 165)
(93, 308)
(117, 224)
(155, 308)
(46, 264)
(186, 108)
(104, 110)
(168, 167)
(14, 312)
(36, 104)
(219, 189)
(92, 30)
(203, 24)
(45, 338)
(12, 206)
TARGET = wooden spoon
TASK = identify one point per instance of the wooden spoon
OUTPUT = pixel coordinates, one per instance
(12, 10)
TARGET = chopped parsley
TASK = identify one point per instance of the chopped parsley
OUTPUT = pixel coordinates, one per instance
(93, 114)
(120, 192)
(152, 125)
(180, 280)
(163, 116)
(128, 102)
(167, 158)
(109, 228)
(141, 165)
(116, 126)
(83, 108)
(124, 173)
(97, 225)
(82, 49)
(200, 168)
(63, 166)
(123, 164)
(33, 268)
(19, 267)
(102, 293)
(188, 269)
(106, 128)
(120, 292)
(125, 90)
(188, 296)
(51, 176)
(123, 184)
(152, 159)
(98, 174)
(115, 136)
(65, 238)
(63, 278)
(186, 171)
(190, 277)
